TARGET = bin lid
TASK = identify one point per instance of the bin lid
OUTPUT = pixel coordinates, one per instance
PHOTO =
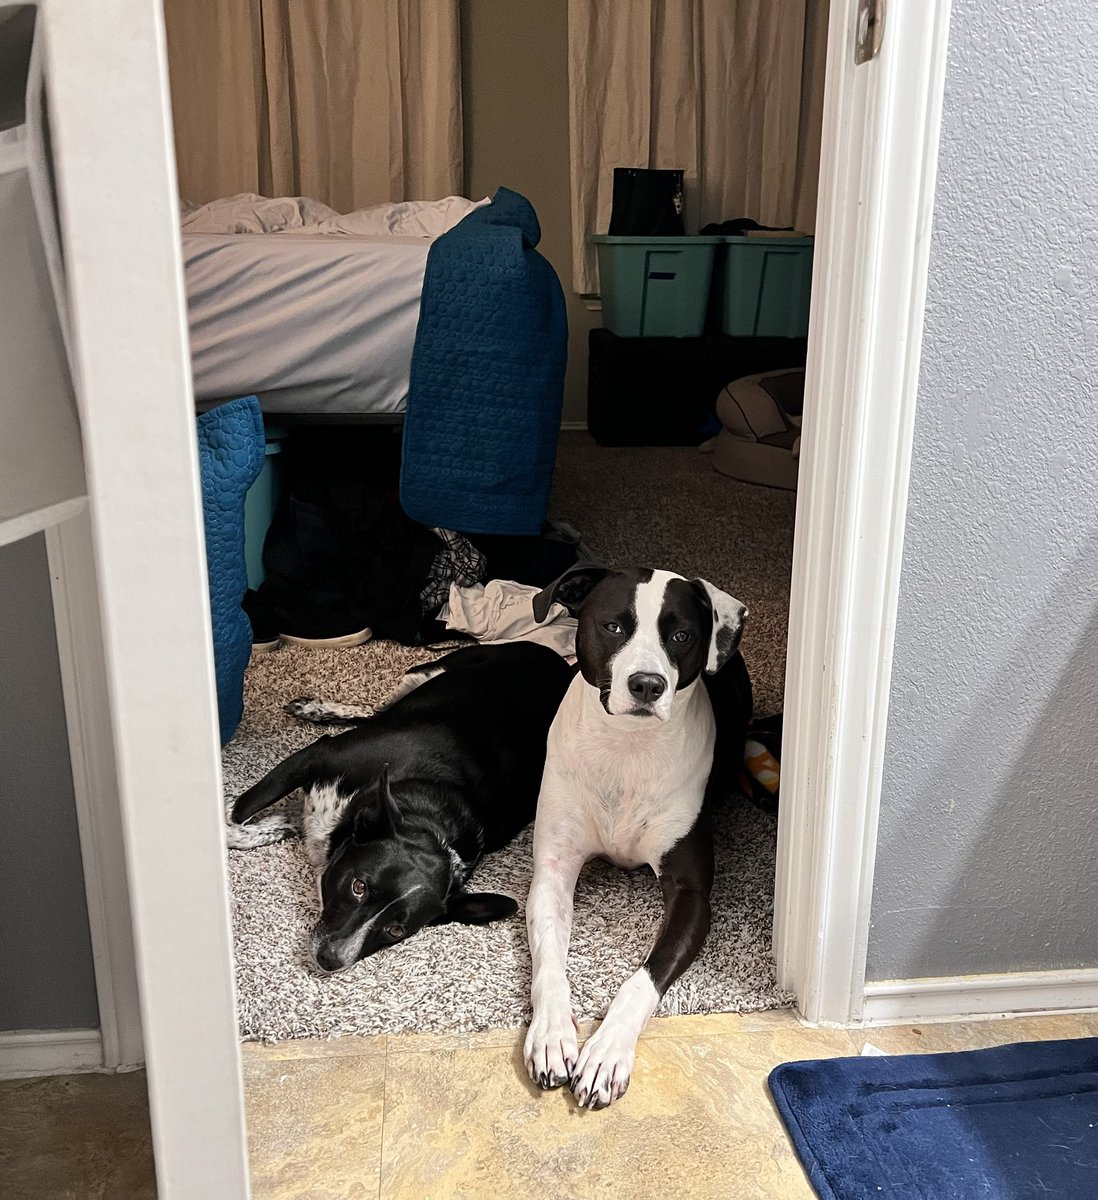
(744, 239)
(617, 239)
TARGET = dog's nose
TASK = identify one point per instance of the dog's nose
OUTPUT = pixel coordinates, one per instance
(646, 688)
(326, 958)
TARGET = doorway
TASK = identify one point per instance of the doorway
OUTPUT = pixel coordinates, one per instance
(880, 127)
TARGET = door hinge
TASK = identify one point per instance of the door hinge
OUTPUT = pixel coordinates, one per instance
(867, 41)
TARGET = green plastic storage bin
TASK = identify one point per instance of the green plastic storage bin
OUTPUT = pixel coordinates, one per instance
(655, 286)
(765, 286)
(259, 506)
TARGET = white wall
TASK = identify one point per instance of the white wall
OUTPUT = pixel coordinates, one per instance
(988, 845)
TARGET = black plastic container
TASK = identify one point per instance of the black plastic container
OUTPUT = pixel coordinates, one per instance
(663, 391)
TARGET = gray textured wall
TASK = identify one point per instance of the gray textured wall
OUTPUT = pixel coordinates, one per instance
(46, 975)
(988, 846)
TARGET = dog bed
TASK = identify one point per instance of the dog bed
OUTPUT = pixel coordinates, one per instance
(759, 441)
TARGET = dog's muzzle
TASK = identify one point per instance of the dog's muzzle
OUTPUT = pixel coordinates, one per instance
(325, 955)
(643, 694)
(646, 688)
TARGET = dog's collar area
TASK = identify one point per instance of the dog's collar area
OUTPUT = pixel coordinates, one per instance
(460, 869)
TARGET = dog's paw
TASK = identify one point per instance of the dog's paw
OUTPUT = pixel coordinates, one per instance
(551, 1048)
(322, 712)
(305, 708)
(605, 1065)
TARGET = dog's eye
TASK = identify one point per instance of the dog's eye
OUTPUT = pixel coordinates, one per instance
(681, 636)
(612, 627)
(358, 888)
(396, 932)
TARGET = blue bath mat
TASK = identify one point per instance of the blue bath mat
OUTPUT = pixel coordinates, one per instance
(1012, 1122)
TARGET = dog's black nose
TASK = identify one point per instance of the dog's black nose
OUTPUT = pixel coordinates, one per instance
(646, 688)
(326, 959)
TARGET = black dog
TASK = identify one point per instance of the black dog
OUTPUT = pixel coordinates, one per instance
(399, 810)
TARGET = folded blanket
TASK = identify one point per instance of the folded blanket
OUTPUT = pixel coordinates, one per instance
(487, 379)
(230, 453)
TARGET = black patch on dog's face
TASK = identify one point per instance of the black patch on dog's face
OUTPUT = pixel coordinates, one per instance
(726, 641)
(610, 604)
(685, 624)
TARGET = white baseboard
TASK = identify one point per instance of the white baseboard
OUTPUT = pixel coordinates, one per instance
(957, 997)
(30, 1052)
(573, 426)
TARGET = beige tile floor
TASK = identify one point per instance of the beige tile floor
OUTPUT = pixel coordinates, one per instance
(432, 1116)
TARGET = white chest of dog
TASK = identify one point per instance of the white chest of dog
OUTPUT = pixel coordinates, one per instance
(622, 790)
(629, 756)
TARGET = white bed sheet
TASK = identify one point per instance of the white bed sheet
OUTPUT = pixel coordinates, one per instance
(308, 323)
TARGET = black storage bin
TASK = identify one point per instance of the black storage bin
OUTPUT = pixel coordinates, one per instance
(646, 203)
(663, 391)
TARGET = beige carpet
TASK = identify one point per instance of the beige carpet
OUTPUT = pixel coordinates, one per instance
(649, 506)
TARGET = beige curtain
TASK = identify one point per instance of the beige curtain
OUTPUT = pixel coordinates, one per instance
(715, 87)
(814, 64)
(352, 102)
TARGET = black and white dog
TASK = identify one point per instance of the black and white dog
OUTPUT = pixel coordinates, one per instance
(399, 810)
(628, 762)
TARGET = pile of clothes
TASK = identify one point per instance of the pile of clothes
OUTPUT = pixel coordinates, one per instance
(344, 563)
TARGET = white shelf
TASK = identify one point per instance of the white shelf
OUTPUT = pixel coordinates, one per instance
(41, 457)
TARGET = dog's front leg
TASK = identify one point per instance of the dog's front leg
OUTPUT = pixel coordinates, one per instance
(686, 879)
(551, 1048)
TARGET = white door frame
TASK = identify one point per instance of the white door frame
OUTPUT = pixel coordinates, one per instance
(78, 622)
(109, 105)
(877, 176)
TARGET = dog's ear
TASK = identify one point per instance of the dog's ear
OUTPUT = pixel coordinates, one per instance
(729, 616)
(380, 820)
(571, 589)
(477, 908)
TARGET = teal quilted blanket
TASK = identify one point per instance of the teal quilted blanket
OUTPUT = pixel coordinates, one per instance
(487, 379)
(230, 453)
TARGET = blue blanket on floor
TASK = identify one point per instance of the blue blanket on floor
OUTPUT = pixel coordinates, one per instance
(1016, 1121)
(230, 454)
(487, 379)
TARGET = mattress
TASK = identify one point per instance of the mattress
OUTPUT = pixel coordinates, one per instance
(308, 323)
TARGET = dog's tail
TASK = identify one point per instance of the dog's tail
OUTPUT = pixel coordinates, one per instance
(267, 829)
(321, 712)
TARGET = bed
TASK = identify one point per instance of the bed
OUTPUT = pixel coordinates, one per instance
(313, 311)
(439, 315)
